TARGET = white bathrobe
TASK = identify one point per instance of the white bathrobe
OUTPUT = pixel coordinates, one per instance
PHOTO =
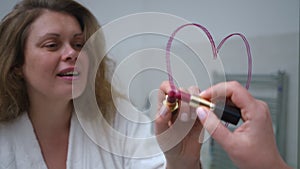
(19, 148)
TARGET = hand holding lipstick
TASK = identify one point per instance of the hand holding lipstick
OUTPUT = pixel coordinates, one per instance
(251, 145)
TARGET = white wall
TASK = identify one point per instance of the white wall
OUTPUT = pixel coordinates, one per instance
(271, 26)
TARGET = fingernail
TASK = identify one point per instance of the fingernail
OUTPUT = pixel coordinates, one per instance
(184, 117)
(163, 110)
(201, 113)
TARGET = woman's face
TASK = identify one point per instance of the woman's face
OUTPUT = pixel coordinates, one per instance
(51, 51)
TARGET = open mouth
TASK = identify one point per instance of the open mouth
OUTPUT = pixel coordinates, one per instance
(69, 74)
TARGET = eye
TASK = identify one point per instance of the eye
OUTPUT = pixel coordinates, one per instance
(51, 46)
(78, 45)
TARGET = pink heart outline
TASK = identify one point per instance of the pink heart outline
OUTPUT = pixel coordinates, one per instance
(215, 51)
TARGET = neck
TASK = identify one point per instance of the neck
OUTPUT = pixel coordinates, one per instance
(50, 118)
(51, 123)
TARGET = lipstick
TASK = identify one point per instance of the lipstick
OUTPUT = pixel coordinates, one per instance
(226, 112)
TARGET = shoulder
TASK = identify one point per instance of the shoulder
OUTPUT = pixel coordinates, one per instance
(6, 144)
(8, 130)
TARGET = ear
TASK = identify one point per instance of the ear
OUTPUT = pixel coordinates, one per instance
(18, 71)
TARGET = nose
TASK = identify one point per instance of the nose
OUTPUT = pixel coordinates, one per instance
(69, 54)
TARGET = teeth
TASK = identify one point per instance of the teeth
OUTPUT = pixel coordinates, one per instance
(74, 73)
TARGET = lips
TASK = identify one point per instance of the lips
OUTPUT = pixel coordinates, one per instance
(69, 73)
(72, 73)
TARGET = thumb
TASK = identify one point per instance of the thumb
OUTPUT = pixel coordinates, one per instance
(214, 126)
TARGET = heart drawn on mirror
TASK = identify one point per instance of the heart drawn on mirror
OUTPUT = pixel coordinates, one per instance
(227, 113)
(215, 51)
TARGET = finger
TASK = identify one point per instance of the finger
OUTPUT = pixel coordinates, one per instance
(163, 115)
(214, 126)
(233, 90)
(165, 87)
(184, 109)
(162, 120)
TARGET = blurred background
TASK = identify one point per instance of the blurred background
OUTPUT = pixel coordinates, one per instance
(272, 29)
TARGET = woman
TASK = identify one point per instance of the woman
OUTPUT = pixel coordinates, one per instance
(39, 62)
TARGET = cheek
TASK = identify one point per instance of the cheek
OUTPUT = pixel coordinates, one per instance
(38, 67)
(36, 75)
(31, 68)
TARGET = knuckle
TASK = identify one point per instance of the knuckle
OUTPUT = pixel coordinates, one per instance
(263, 109)
(263, 105)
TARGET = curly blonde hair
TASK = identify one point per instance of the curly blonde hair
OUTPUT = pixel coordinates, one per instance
(13, 35)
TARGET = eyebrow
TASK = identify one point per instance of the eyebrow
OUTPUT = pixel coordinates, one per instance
(43, 37)
(55, 35)
(78, 34)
